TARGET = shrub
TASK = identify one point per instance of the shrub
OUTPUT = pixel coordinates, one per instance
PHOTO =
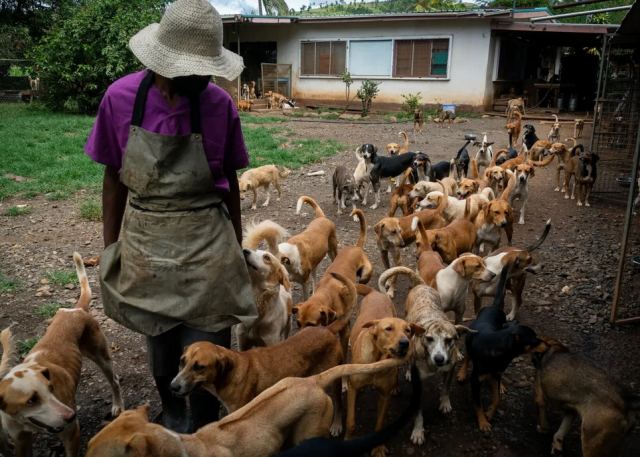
(367, 92)
(411, 102)
(87, 49)
(91, 210)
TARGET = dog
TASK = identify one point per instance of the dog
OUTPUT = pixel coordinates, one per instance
(418, 120)
(421, 167)
(539, 149)
(397, 149)
(236, 378)
(272, 290)
(274, 99)
(496, 215)
(578, 127)
(268, 231)
(554, 132)
(484, 156)
(393, 233)
(387, 167)
(515, 105)
(491, 348)
(262, 177)
(38, 395)
(322, 447)
(529, 137)
(286, 414)
(461, 162)
(579, 387)
(564, 154)
(496, 178)
(244, 93)
(450, 242)
(447, 186)
(435, 350)
(332, 298)
(585, 177)
(514, 127)
(400, 197)
(344, 185)
(362, 173)
(497, 260)
(445, 115)
(523, 173)
(245, 105)
(252, 90)
(302, 253)
(454, 208)
(376, 335)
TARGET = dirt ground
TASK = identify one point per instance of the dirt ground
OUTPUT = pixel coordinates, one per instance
(580, 253)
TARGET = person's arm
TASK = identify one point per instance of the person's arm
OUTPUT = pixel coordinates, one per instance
(114, 199)
(232, 200)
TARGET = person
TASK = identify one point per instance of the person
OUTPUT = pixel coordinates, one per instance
(171, 143)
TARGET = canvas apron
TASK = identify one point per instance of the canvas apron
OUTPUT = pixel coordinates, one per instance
(177, 260)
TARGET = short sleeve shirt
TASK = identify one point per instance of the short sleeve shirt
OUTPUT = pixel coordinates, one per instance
(221, 132)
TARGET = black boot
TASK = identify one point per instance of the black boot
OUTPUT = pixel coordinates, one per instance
(204, 409)
(174, 409)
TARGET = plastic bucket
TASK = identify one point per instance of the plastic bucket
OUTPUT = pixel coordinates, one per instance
(449, 107)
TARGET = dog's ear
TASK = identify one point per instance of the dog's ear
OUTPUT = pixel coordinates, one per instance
(372, 326)
(284, 260)
(3, 404)
(295, 310)
(459, 267)
(378, 228)
(328, 316)
(461, 329)
(284, 278)
(416, 330)
(223, 366)
(45, 372)
(143, 410)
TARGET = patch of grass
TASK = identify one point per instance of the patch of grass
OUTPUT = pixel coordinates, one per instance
(57, 195)
(48, 310)
(25, 346)
(7, 284)
(17, 211)
(469, 114)
(247, 118)
(62, 277)
(91, 210)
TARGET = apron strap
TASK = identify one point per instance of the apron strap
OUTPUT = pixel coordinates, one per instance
(141, 101)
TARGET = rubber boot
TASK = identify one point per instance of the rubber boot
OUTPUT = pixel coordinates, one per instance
(204, 408)
(174, 409)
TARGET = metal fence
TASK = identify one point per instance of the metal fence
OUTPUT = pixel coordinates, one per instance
(276, 77)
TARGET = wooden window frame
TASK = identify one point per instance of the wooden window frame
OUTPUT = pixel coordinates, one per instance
(430, 42)
(315, 58)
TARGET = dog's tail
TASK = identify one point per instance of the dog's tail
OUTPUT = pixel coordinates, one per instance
(85, 290)
(452, 168)
(489, 193)
(474, 169)
(312, 203)
(511, 184)
(555, 116)
(417, 225)
(270, 232)
(498, 153)
(544, 162)
(577, 149)
(9, 352)
(416, 280)
(362, 238)
(284, 172)
(350, 296)
(573, 140)
(406, 138)
(536, 244)
(326, 378)
(501, 289)
(363, 289)
(323, 447)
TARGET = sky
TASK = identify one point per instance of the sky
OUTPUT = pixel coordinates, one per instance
(246, 6)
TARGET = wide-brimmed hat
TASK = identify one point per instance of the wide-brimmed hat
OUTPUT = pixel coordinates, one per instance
(187, 41)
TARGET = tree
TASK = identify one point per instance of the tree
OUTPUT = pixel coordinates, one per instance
(275, 7)
(88, 49)
(367, 92)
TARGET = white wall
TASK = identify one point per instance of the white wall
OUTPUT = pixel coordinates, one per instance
(469, 63)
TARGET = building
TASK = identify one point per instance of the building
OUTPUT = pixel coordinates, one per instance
(471, 58)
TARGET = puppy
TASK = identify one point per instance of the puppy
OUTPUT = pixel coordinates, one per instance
(514, 127)
(454, 208)
(554, 132)
(302, 253)
(38, 395)
(362, 173)
(418, 120)
(376, 335)
(578, 127)
(529, 137)
(344, 186)
(484, 156)
(272, 290)
(491, 348)
(245, 105)
(400, 197)
(264, 176)
(435, 349)
(573, 383)
(288, 413)
(496, 261)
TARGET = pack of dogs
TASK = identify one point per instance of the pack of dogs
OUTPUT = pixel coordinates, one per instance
(289, 385)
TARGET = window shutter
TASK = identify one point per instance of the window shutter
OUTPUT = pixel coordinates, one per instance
(403, 58)
(422, 58)
(338, 57)
(308, 58)
(323, 57)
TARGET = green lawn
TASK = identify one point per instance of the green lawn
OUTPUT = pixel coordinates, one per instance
(47, 149)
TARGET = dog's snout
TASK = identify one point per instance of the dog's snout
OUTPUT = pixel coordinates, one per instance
(439, 359)
(70, 416)
(175, 387)
(246, 252)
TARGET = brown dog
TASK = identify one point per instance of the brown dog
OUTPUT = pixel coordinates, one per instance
(376, 335)
(450, 241)
(302, 253)
(578, 387)
(514, 105)
(495, 216)
(397, 149)
(291, 411)
(514, 127)
(400, 197)
(418, 120)
(38, 395)
(245, 105)
(262, 177)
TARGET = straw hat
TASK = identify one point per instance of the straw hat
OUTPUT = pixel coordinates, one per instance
(188, 41)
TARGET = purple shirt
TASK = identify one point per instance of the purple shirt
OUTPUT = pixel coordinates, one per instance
(221, 131)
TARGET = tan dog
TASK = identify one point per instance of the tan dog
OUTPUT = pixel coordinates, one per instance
(274, 99)
(454, 208)
(496, 179)
(564, 154)
(302, 253)
(272, 290)
(435, 351)
(450, 241)
(578, 127)
(447, 186)
(38, 395)
(494, 217)
(245, 105)
(514, 127)
(264, 176)
(291, 411)
(396, 149)
(554, 132)
(515, 105)
(578, 387)
(252, 90)
(376, 335)
(235, 378)
(539, 149)
(400, 197)
(268, 231)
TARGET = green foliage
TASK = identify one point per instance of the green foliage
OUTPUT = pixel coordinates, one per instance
(62, 277)
(7, 285)
(411, 102)
(367, 92)
(25, 346)
(87, 50)
(248, 118)
(48, 310)
(17, 211)
(14, 41)
(347, 80)
(91, 210)
(275, 7)
(391, 6)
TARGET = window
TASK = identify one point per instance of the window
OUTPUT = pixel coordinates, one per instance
(323, 58)
(421, 58)
(370, 58)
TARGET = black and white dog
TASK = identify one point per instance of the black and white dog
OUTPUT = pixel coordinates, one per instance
(386, 167)
(421, 167)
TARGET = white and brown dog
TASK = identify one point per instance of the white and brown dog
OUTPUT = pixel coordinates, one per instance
(38, 395)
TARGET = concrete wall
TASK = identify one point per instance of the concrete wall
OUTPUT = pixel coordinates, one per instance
(469, 60)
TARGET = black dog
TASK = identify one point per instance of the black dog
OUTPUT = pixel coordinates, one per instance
(388, 167)
(462, 161)
(586, 175)
(492, 347)
(529, 136)
(440, 170)
(323, 447)
(511, 154)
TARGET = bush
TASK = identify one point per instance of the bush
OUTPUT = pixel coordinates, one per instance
(367, 92)
(87, 49)
(411, 102)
